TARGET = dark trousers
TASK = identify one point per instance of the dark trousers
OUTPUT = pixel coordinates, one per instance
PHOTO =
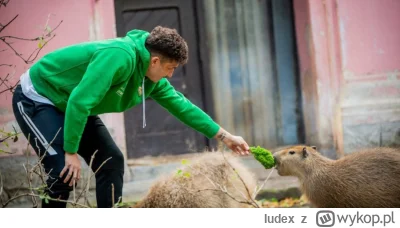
(42, 122)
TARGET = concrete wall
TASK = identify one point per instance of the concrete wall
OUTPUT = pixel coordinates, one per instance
(349, 64)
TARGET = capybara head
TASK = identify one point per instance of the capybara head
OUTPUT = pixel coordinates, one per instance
(294, 160)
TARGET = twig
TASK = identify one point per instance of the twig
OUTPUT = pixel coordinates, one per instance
(41, 157)
(265, 181)
(3, 81)
(90, 176)
(212, 182)
(112, 194)
(87, 185)
(10, 88)
(7, 152)
(229, 195)
(30, 186)
(2, 140)
(6, 79)
(223, 189)
(37, 50)
(4, 3)
(119, 199)
(27, 148)
(104, 162)
(29, 60)
(241, 179)
(1, 188)
(73, 184)
(35, 195)
(19, 38)
(4, 26)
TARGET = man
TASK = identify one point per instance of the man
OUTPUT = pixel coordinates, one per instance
(68, 88)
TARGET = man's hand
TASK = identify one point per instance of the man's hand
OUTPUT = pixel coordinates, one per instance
(233, 142)
(73, 165)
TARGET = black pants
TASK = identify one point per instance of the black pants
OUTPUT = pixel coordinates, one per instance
(42, 121)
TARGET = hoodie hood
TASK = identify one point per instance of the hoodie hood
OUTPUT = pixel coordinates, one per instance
(137, 39)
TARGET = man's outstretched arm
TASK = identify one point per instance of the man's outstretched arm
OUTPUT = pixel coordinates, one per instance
(191, 115)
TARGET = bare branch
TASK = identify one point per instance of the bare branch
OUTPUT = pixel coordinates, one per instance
(112, 194)
(4, 26)
(39, 167)
(223, 189)
(36, 52)
(19, 38)
(241, 179)
(6, 152)
(86, 187)
(46, 34)
(1, 186)
(34, 201)
(73, 191)
(30, 176)
(3, 81)
(265, 181)
(35, 195)
(10, 136)
(229, 195)
(4, 3)
(87, 184)
(11, 89)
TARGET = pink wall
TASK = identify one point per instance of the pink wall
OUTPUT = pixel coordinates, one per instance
(83, 20)
(349, 55)
(369, 35)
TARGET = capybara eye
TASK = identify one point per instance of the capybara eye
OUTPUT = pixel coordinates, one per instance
(291, 152)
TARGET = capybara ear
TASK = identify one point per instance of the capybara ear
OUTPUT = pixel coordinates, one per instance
(305, 153)
(314, 147)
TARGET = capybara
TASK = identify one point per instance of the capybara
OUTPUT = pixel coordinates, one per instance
(363, 179)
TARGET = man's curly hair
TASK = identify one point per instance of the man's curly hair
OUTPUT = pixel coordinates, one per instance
(167, 43)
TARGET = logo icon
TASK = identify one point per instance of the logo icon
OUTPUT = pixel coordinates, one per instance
(325, 218)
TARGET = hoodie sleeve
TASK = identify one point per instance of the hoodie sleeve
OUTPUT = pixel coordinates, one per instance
(180, 107)
(105, 67)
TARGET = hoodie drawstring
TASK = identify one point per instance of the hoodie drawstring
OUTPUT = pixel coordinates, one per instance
(144, 105)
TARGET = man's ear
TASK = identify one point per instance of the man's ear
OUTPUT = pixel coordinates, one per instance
(154, 59)
(305, 153)
(314, 147)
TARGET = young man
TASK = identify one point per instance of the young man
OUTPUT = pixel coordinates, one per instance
(68, 88)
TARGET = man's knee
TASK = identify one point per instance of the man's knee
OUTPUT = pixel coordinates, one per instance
(57, 188)
(116, 160)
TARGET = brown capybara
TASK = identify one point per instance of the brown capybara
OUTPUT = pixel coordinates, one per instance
(367, 178)
(198, 184)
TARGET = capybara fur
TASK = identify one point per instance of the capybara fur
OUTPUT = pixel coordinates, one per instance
(198, 184)
(367, 178)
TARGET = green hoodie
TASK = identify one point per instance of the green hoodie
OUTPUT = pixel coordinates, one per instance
(104, 76)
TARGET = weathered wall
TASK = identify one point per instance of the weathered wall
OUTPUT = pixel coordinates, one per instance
(349, 61)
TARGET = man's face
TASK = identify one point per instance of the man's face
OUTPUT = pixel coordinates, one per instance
(159, 69)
